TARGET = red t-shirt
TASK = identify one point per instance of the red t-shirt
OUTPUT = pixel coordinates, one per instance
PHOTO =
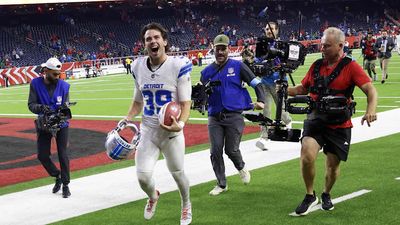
(351, 74)
(369, 46)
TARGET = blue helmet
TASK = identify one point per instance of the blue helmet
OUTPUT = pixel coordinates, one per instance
(117, 147)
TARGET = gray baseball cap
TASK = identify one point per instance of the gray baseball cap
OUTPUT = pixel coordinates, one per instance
(221, 39)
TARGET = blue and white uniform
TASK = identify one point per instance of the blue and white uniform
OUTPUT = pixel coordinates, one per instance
(169, 82)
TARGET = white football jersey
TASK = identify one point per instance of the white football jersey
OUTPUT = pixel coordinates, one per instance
(170, 82)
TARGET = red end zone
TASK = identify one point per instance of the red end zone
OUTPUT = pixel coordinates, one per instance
(18, 162)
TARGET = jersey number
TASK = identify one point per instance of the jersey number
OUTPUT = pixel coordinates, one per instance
(154, 102)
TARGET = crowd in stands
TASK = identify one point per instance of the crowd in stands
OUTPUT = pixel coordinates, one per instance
(108, 30)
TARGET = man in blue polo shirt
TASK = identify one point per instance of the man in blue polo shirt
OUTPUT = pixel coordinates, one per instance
(228, 99)
(46, 95)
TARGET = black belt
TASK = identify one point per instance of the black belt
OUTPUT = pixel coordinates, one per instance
(222, 115)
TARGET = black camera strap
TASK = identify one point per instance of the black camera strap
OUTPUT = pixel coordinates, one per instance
(220, 67)
(321, 84)
(331, 108)
(199, 91)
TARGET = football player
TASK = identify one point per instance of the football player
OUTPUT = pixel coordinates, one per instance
(159, 79)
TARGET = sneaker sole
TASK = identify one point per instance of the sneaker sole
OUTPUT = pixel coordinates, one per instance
(149, 217)
(309, 208)
(261, 146)
(218, 193)
(330, 209)
(187, 223)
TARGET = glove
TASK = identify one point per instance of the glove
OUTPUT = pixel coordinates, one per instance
(45, 109)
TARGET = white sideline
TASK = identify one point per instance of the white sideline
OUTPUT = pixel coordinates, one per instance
(115, 117)
(337, 200)
(100, 191)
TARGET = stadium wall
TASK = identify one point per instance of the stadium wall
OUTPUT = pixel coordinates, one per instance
(23, 75)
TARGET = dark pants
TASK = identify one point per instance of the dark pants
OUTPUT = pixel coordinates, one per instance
(44, 144)
(225, 130)
(128, 69)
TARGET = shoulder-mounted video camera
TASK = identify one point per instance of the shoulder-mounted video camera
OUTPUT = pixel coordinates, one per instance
(200, 93)
(52, 121)
(291, 55)
(282, 57)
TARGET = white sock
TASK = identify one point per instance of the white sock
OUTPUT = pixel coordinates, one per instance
(183, 185)
(147, 184)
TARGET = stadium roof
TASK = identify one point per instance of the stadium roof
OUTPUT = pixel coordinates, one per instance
(29, 2)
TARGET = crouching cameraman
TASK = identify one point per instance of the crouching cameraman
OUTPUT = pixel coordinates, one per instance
(327, 81)
(46, 95)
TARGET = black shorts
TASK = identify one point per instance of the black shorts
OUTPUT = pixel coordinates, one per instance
(335, 141)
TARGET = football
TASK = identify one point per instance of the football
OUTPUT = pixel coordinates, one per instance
(169, 109)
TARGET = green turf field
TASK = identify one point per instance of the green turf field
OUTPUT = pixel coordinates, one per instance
(275, 190)
(109, 97)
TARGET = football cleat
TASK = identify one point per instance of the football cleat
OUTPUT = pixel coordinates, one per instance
(150, 208)
(186, 215)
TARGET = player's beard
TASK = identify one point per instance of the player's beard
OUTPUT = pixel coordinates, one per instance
(51, 79)
(221, 58)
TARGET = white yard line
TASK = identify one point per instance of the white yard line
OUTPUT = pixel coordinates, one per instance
(385, 97)
(89, 82)
(387, 106)
(398, 178)
(390, 82)
(120, 186)
(74, 82)
(103, 90)
(337, 200)
(116, 117)
(111, 117)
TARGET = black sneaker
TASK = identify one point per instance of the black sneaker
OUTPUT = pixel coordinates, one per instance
(57, 185)
(382, 81)
(305, 206)
(326, 201)
(65, 191)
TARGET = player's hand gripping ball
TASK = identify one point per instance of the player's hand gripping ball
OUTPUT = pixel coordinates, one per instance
(169, 109)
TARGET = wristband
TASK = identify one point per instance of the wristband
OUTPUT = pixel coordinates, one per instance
(181, 124)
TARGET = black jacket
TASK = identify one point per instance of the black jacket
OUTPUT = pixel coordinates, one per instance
(389, 47)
